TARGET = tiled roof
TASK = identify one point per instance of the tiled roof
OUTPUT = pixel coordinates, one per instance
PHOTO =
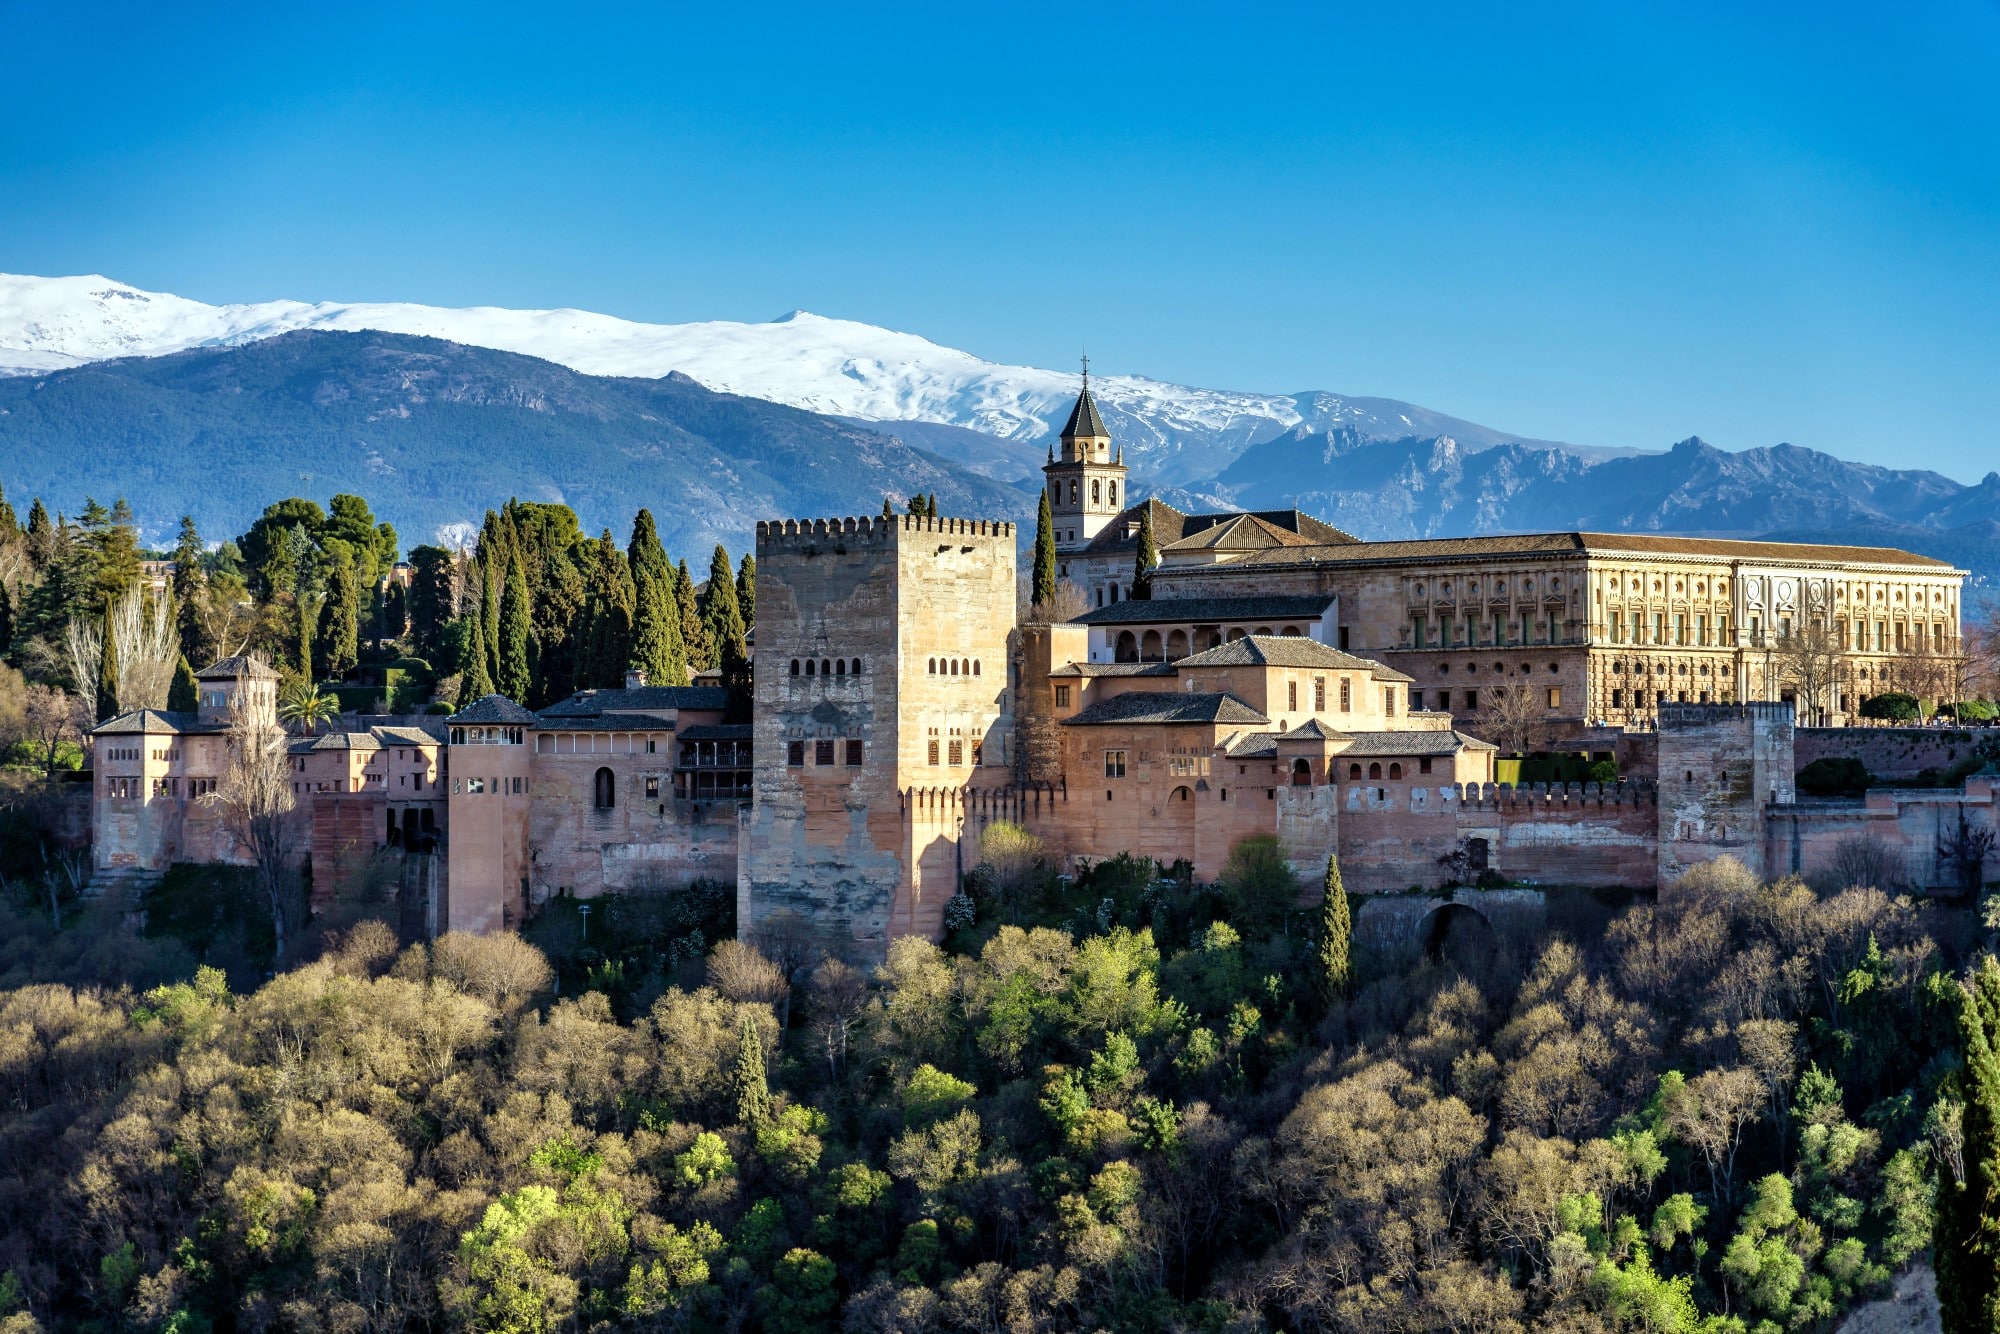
(345, 741)
(1084, 419)
(1114, 669)
(717, 732)
(494, 709)
(1370, 745)
(1167, 706)
(1237, 532)
(156, 722)
(240, 664)
(409, 736)
(1312, 729)
(1287, 651)
(1252, 746)
(1165, 611)
(644, 699)
(1171, 527)
(1561, 544)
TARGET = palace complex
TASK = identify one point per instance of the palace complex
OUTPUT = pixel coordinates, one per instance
(1284, 678)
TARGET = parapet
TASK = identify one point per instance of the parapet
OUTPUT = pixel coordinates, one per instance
(1707, 715)
(802, 534)
(1556, 796)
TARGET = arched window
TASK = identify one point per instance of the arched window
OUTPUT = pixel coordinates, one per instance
(605, 790)
(1114, 493)
(1182, 794)
(840, 666)
(1127, 649)
(1302, 774)
(1096, 493)
(954, 666)
(1072, 490)
(1354, 771)
(933, 667)
(810, 664)
(795, 666)
(975, 666)
(856, 669)
(825, 667)
(1375, 770)
(1395, 771)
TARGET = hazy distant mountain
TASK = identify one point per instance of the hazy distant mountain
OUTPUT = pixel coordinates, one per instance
(1175, 433)
(435, 433)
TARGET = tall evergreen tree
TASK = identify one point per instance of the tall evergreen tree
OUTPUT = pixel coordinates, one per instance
(107, 672)
(6, 621)
(190, 584)
(493, 566)
(1965, 1246)
(700, 653)
(515, 681)
(42, 537)
(753, 1093)
(183, 696)
(1148, 557)
(746, 590)
(930, 506)
(722, 623)
(917, 506)
(607, 647)
(658, 636)
(1044, 592)
(338, 643)
(888, 508)
(10, 524)
(430, 600)
(477, 682)
(392, 621)
(1336, 934)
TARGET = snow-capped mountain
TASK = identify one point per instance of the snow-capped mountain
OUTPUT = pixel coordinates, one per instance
(837, 367)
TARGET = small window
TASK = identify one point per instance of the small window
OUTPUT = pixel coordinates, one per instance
(1062, 697)
(795, 754)
(975, 666)
(1471, 700)
(855, 668)
(1424, 765)
(853, 754)
(954, 666)
(957, 755)
(475, 785)
(795, 666)
(1347, 694)
(825, 667)
(1319, 694)
(605, 790)
(1353, 772)
(652, 787)
(1375, 770)
(810, 664)
(1555, 697)
(823, 753)
(931, 666)
(932, 751)
(1292, 695)
(840, 666)
(1395, 771)
(1114, 764)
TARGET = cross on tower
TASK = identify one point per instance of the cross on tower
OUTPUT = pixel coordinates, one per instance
(1086, 371)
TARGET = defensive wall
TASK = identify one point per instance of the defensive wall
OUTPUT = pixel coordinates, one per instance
(1895, 753)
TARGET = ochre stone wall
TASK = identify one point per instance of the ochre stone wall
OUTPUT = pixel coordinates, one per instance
(1719, 767)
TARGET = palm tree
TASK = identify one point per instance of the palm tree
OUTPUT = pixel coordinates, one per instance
(301, 701)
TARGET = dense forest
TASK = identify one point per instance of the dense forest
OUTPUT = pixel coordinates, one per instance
(1123, 1101)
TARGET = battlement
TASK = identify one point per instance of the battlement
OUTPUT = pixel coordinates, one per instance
(805, 535)
(1705, 715)
(1557, 796)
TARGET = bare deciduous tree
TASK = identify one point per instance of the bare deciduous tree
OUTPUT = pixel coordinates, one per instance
(1808, 660)
(255, 796)
(839, 994)
(148, 644)
(1514, 718)
(47, 712)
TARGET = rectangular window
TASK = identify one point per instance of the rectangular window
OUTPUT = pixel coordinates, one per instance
(978, 753)
(1680, 628)
(652, 787)
(1618, 699)
(1389, 700)
(931, 752)
(1555, 697)
(475, 786)
(823, 753)
(795, 754)
(1701, 631)
(1424, 764)
(1062, 697)
(1471, 701)
(1114, 764)
(1292, 695)
(957, 752)
(853, 754)
(1659, 627)
(1617, 627)
(1416, 632)
(1346, 695)
(1416, 700)
(1319, 694)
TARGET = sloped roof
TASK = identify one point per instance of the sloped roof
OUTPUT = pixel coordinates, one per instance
(346, 741)
(1312, 729)
(1560, 544)
(156, 722)
(1084, 418)
(1373, 745)
(1114, 669)
(1237, 532)
(409, 736)
(1171, 527)
(1166, 611)
(1167, 706)
(237, 664)
(1287, 651)
(495, 709)
(717, 732)
(643, 699)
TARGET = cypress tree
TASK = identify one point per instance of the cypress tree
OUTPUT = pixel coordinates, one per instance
(477, 682)
(6, 621)
(493, 579)
(746, 590)
(723, 624)
(340, 622)
(42, 536)
(1336, 933)
(10, 526)
(190, 583)
(514, 680)
(657, 639)
(700, 653)
(107, 673)
(753, 1095)
(930, 506)
(1965, 1245)
(182, 695)
(607, 647)
(1045, 555)
(888, 508)
(1149, 556)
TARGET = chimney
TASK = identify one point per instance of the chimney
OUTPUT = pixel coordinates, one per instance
(635, 678)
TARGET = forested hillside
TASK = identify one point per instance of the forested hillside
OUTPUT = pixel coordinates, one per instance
(1128, 1103)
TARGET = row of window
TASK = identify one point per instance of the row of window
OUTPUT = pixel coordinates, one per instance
(953, 667)
(823, 752)
(1554, 697)
(474, 787)
(1319, 695)
(826, 667)
(487, 736)
(1097, 492)
(161, 787)
(1528, 629)
(1639, 700)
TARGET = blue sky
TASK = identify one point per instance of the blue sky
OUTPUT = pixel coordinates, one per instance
(1610, 224)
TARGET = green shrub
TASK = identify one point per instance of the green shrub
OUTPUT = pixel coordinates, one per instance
(1826, 777)
(1895, 707)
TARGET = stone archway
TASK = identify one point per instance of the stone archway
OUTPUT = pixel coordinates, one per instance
(1455, 930)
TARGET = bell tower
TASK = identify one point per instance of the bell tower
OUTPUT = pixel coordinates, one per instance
(1087, 482)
